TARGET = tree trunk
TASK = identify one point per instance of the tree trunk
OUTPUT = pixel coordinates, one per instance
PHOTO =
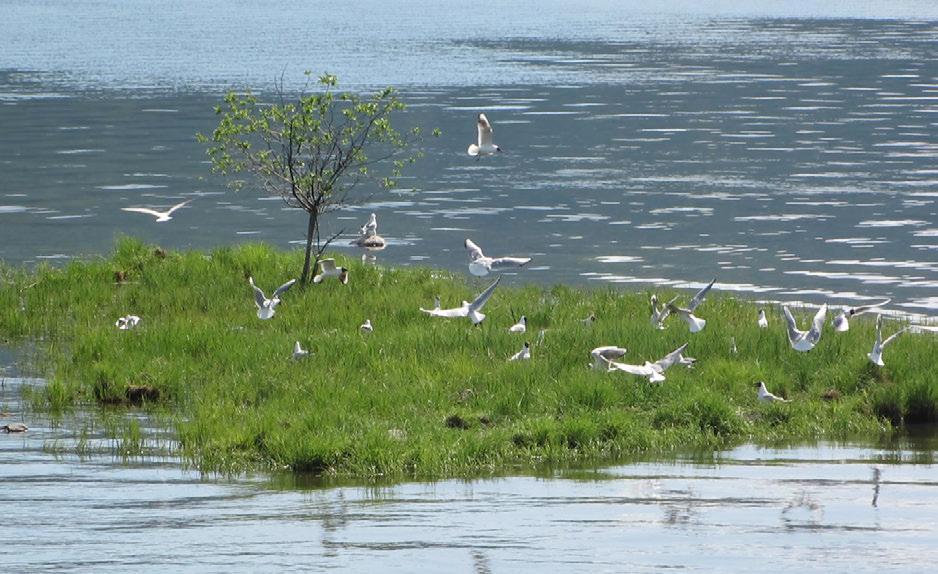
(310, 234)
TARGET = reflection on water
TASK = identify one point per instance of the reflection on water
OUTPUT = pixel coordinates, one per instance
(804, 508)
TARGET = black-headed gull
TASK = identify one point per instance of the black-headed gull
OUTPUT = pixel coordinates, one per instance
(602, 355)
(266, 307)
(161, 216)
(467, 309)
(694, 323)
(654, 372)
(128, 322)
(763, 320)
(658, 315)
(520, 327)
(299, 352)
(766, 397)
(484, 145)
(328, 268)
(480, 265)
(366, 327)
(879, 345)
(524, 354)
(370, 228)
(805, 340)
(842, 321)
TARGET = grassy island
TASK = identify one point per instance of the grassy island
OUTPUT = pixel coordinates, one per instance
(425, 396)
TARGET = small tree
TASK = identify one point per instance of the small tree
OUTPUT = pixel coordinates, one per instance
(311, 150)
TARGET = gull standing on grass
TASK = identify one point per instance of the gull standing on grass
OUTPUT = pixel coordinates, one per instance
(524, 354)
(467, 309)
(603, 355)
(299, 352)
(480, 265)
(520, 327)
(161, 216)
(763, 321)
(842, 321)
(805, 340)
(484, 145)
(766, 397)
(366, 327)
(266, 308)
(879, 345)
(128, 322)
(328, 268)
(659, 315)
(694, 323)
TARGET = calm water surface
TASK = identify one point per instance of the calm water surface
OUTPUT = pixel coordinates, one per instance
(822, 508)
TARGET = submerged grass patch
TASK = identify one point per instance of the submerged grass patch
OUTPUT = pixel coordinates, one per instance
(424, 396)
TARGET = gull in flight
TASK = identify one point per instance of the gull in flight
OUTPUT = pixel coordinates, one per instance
(879, 345)
(766, 397)
(299, 352)
(694, 323)
(842, 321)
(805, 340)
(327, 268)
(467, 309)
(484, 145)
(654, 372)
(520, 327)
(659, 315)
(763, 321)
(603, 355)
(366, 327)
(161, 216)
(128, 322)
(480, 265)
(266, 307)
(523, 355)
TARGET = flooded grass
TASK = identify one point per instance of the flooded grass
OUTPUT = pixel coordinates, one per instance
(423, 396)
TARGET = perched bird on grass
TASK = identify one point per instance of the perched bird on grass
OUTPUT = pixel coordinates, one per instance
(128, 322)
(763, 320)
(266, 308)
(589, 320)
(471, 310)
(805, 340)
(483, 145)
(841, 322)
(366, 327)
(299, 352)
(523, 355)
(328, 268)
(520, 327)
(766, 397)
(694, 323)
(879, 345)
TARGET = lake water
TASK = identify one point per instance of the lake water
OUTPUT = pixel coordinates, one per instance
(786, 149)
(819, 508)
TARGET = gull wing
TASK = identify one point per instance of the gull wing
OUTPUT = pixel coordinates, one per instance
(177, 206)
(483, 297)
(608, 352)
(817, 324)
(283, 288)
(699, 297)
(502, 262)
(890, 338)
(259, 298)
(793, 333)
(327, 265)
(485, 131)
(475, 252)
(450, 313)
(867, 308)
(640, 370)
(671, 358)
(148, 211)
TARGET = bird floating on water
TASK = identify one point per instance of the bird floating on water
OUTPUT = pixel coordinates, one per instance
(805, 340)
(842, 321)
(161, 216)
(520, 327)
(467, 309)
(524, 354)
(766, 397)
(694, 323)
(480, 265)
(879, 345)
(484, 145)
(328, 268)
(128, 322)
(14, 427)
(266, 308)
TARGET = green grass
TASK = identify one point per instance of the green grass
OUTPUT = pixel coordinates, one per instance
(425, 396)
